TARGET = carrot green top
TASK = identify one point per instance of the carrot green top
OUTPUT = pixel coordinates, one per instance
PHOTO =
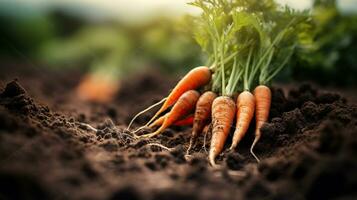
(247, 41)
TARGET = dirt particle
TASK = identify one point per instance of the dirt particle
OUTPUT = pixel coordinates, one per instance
(21, 186)
(110, 145)
(127, 193)
(331, 140)
(234, 161)
(294, 120)
(171, 194)
(12, 89)
(162, 160)
(257, 190)
(179, 154)
(327, 98)
(310, 111)
(151, 165)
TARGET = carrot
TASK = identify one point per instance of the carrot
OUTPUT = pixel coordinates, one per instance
(184, 122)
(194, 79)
(158, 121)
(202, 114)
(97, 88)
(245, 112)
(223, 111)
(184, 105)
(262, 96)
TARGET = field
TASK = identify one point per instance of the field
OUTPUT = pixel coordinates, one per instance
(48, 151)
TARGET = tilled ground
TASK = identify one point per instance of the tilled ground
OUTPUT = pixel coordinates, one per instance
(308, 150)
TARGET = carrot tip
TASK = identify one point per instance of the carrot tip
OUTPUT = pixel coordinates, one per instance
(212, 160)
(188, 157)
(233, 146)
(192, 143)
(252, 148)
(213, 163)
(149, 135)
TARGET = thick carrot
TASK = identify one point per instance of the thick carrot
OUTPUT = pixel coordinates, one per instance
(223, 111)
(202, 114)
(184, 105)
(194, 79)
(262, 96)
(245, 113)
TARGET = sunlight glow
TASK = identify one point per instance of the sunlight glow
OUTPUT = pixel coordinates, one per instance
(132, 11)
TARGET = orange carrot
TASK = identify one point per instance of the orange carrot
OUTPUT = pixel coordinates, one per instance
(184, 122)
(262, 96)
(245, 113)
(184, 105)
(223, 111)
(97, 88)
(202, 114)
(159, 121)
(194, 79)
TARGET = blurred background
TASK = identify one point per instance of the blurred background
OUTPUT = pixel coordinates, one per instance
(108, 40)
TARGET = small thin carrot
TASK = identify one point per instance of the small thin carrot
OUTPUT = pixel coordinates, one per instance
(245, 113)
(202, 115)
(181, 122)
(262, 96)
(194, 79)
(223, 111)
(185, 121)
(184, 105)
(158, 121)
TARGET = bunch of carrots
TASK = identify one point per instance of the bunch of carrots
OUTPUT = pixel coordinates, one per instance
(247, 43)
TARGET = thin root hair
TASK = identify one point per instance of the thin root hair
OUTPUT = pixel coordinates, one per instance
(144, 111)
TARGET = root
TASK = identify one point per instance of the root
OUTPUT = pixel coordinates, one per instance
(128, 135)
(87, 126)
(161, 146)
(144, 111)
(139, 129)
(256, 139)
(204, 143)
(206, 132)
(150, 135)
(192, 143)
(153, 118)
(237, 173)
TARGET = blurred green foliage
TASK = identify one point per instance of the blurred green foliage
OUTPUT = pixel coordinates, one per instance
(93, 46)
(123, 49)
(21, 35)
(61, 40)
(332, 56)
(171, 44)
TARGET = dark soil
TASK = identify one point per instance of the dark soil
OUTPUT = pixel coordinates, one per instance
(308, 149)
